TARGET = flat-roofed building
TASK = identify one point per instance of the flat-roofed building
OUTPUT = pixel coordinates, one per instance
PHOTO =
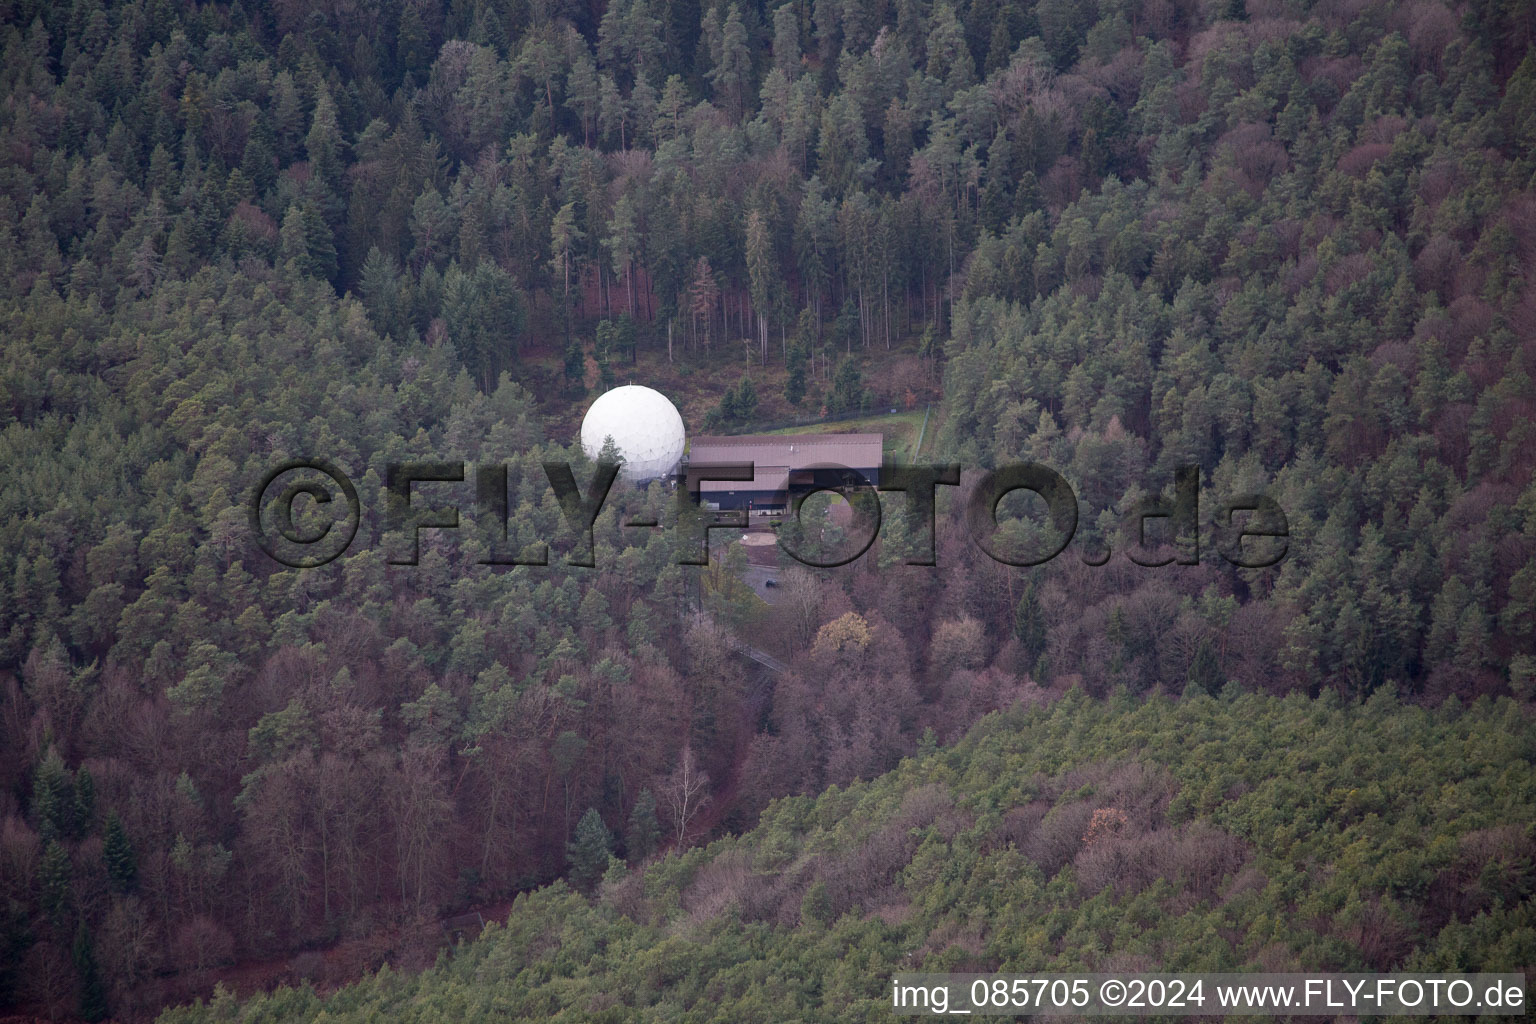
(782, 464)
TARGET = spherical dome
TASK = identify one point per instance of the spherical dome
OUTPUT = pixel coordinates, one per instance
(644, 426)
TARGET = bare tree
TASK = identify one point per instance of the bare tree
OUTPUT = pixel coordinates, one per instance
(48, 979)
(684, 793)
(422, 812)
(802, 599)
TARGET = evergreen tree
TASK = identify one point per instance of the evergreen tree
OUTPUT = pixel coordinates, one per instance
(483, 311)
(1205, 671)
(847, 394)
(53, 798)
(85, 802)
(786, 40)
(305, 241)
(643, 835)
(575, 370)
(794, 381)
(587, 853)
(731, 74)
(565, 242)
(816, 904)
(746, 399)
(1029, 624)
(93, 993)
(118, 854)
(610, 453)
(54, 880)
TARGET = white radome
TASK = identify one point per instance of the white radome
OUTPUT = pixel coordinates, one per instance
(644, 425)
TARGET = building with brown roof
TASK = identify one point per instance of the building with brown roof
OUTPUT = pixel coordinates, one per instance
(782, 464)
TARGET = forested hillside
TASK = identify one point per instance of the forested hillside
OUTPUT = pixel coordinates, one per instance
(1250, 833)
(1288, 242)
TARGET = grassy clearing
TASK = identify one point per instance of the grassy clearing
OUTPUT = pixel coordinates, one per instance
(900, 430)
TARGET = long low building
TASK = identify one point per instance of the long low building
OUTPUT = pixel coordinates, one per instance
(782, 464)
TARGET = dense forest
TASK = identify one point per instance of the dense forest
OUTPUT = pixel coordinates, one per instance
(1197, 835)
(1290, 243)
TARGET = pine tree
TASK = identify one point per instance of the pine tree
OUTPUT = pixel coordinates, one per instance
(746, 399)
(847, 388)
(379, 286)
(85, 802)
(794, 382)
(588, 852)
(731, 75)
(670, 109)
(762, 275)
(305, 241)
(644, 832)
(575, 370)
(621, 243)
(1029, 624)
(610, 451)
(117, 851)
(565, 238)
(54, 881)
(786, 40)
(816, 905)
(53, 798)
(93, 994)
(1205, 670)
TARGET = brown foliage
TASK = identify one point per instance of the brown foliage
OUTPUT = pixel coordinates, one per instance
(202, 943)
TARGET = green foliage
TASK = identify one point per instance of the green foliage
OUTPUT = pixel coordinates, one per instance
(1205, 670)
(1029, 623)
(53, 798)
(55, 881)
(794, 379)
(1220, 861)
(816, 906)
(1291, 251)
(484, 313)
(85, 802)
(305, 242)
(847, 393)
(642, 837)
(738, 405)
(575, 370)
(588, 851)
(93, 991)
(118, 855)
(610, 453)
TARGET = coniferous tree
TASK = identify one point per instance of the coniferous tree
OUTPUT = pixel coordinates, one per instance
(54, 880)
(1029, 624)
(93, 992)
(118, 854)
(746, 399)
(1205, 670)
(53, 798)
(643, 834)
(588, 851)
(610, 452)
(847, 393)
(575, 370)
(794, 380)
(85, 802)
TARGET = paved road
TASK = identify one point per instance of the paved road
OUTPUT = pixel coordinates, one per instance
(757, 577)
